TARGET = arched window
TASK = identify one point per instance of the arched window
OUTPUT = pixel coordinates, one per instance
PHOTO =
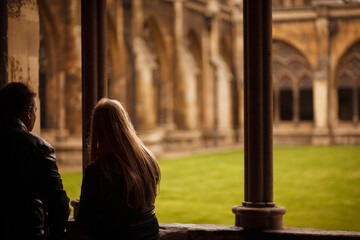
(286, 100)
(292, 83)
(348, 85)
(306, 100)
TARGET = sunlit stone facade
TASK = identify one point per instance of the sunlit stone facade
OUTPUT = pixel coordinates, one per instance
(178, 68)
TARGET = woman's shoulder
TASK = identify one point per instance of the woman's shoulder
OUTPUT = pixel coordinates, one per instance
(91, 169)
(103, 166)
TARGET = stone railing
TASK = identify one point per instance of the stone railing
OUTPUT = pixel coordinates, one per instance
(176, 231)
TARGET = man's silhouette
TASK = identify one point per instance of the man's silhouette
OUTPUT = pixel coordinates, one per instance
(34, 204)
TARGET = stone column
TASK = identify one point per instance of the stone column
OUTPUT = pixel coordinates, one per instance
(70, 66)
(117, 86)
(130, 72)
(180, 84)
(101, 25)
(258, 211)
(208, 75)
(238, 55)
(20, 46)
(92, 63)
(145, 65)
(212, 11)
(3, 43)
(321, 81)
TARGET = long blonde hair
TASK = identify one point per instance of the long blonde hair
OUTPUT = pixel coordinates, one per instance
(112, 134)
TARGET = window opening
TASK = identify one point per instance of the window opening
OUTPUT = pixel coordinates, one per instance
(345, 99)
(306, 100)
(286, 101)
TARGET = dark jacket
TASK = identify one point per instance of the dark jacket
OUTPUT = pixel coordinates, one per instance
(104, 214)
(34, 203)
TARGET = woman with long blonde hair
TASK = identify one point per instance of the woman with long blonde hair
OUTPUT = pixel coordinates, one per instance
(120, 183)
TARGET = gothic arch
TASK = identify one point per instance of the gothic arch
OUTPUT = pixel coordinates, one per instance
(347, 83)
(153, 38)
(292, 84)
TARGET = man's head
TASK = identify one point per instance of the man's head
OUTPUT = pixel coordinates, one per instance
(17, 100)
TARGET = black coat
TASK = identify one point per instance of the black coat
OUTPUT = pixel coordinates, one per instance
(33, 201)
(104, 214)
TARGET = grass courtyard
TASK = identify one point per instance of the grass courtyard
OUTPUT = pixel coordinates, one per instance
(318, 186)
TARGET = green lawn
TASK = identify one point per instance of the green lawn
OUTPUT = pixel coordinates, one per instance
(318, 186)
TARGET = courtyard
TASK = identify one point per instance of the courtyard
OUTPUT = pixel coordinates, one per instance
(318, 186)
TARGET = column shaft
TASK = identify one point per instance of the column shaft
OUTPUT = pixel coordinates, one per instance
(254, 102)
(258, 104)
(89, 68)
(130, 63)
(267, 102)
(102, 49)
(3, 43)
(258, 211)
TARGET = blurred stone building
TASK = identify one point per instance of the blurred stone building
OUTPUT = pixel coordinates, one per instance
(177, 65)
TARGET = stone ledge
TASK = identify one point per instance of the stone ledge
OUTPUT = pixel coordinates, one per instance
(178, 231)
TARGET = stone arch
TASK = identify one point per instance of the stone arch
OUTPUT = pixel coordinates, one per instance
(347, 83)
(154, 39)
(151, 74)
(289, 63)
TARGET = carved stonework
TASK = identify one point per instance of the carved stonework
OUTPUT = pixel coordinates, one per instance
(292, 83)
(289, 62)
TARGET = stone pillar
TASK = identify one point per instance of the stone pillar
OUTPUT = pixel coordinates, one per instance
(145, 91)
(20, 46)
(117, 86)
(70, 64)
(238, 55)
(92, 63)
(186, 76)
(101, 25)
(145, 65)
(129, 58)
(222, 112)
(258, 211)
(207, 86)
(3, 43)
(321, 81)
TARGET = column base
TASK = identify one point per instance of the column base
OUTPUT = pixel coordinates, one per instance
(320, 137)
(259, 217)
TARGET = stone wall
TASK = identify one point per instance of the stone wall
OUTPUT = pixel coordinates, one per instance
(176, 231)
(23, 46)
